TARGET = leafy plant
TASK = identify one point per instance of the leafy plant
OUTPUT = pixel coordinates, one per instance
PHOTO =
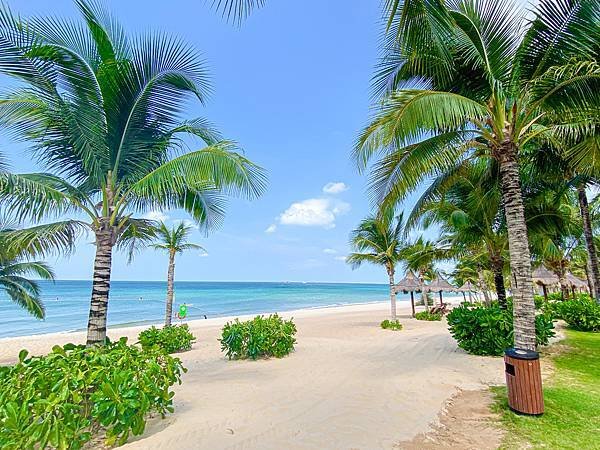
(391, 325)
(581, 314)
(426, 315)
(258, 338)
(482, 330)
(171, 339)
(63, 399)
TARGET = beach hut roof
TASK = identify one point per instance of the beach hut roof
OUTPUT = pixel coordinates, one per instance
(541, 275)
(409, 283)
(467, 287)
(576, 281)
(439, 284)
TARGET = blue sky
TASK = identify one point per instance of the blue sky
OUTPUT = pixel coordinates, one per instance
(292, 86)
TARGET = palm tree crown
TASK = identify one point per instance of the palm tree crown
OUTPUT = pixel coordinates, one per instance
(174, 239)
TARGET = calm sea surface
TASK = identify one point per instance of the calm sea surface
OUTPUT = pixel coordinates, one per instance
(137, 302)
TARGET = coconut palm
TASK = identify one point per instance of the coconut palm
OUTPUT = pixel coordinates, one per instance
(476, 79)
(466, 204)
(15, 281)
(103, 111)
(173, 240)
(378, 240)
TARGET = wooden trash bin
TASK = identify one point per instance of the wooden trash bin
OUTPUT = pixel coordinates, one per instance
(524, 381)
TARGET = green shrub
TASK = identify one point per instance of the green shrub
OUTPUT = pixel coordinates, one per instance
(581, 314)
(391, 325)
(258, 338)
(65, 398)
(173, 339)
(426, 315)
(484, 330)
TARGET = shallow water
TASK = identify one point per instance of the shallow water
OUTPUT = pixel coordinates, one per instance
(135, 302)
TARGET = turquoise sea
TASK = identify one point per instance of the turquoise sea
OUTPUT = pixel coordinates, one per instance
(139, 302)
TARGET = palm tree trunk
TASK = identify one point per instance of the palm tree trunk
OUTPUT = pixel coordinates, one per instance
(170, 279)
(412, 303)
(588, 277)
(423, 293)
(589, 242)
(498, 269)
(484, 289)
(518, 244)
(96, 329)
(392, 294)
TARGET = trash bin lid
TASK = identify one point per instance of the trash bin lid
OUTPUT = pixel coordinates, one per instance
(519, 353)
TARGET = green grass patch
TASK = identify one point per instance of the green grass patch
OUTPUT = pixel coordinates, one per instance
(572, 401)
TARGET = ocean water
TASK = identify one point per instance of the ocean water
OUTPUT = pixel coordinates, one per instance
(137, 302)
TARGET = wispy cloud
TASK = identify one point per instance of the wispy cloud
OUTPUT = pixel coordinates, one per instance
(335, 187)
(329, 251)
(271, 228)
(340, 258)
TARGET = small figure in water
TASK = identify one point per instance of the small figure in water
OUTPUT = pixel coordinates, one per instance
(141, 299)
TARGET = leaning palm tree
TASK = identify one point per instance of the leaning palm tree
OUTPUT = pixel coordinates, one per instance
(378, 240)
(104, 111)
(173, 240)
(477, 79)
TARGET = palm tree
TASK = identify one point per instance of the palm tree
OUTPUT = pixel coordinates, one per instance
(475, 79)
(467, 205)
(173, 240)
(15, 270)
(103, 111)
(378, 240)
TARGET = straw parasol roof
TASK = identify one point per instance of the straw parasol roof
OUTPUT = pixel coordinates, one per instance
(467, 287)
(576, 281)
(543, 276)
(409, 283)
(440, 285)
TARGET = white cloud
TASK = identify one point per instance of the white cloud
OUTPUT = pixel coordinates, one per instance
(191, 223)
(340, 258)
(203, 254)
(159, 216)
(314, 212)
(271, 229)
(335, 187)
(329, 251)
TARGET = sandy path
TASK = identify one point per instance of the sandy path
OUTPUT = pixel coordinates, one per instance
(348, 385)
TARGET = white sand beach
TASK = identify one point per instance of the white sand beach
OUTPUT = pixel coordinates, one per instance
(348, 385)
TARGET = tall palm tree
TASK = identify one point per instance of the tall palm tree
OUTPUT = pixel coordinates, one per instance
(476, 79)
(378, 240)
(173, 240)
(104, 111)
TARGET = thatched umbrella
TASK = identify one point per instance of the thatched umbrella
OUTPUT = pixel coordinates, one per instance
(438, 284)
(410, 283)
(467, 287)
(575, 282)
(544, 278)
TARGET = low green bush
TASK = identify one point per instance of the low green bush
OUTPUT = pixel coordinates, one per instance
(581, 314)
(426, 315)
(482, 330)
(391, 325)
(258, 338)
(64, 399)
(172, 339)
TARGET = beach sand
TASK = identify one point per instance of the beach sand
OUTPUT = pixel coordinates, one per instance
(348, 385)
